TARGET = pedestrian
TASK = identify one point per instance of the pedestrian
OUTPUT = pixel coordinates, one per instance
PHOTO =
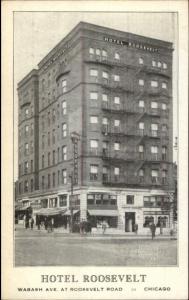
(24, 221)
(103, 227)
(32, 222)
(46, 223)
(161, 227)
(136, 228)
(153, 230)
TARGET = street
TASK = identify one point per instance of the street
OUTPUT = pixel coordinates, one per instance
(38, 248)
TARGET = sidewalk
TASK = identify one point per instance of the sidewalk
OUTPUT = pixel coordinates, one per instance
(22, 232)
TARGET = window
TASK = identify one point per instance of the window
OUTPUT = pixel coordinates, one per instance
(105, 75)
(130, 199)
(141, 103)
(116, 146)
(141, 175)
(64, 176)
(91, 51)
(94, 144)
(64, 153)
(42, 122)
(31, 165)
(117, 100)
(164, 176)
(116, 123)
(141, 128)
(153, 63)
(105, 121)
(94, 72)
(49, 139)
(25, 186)
(54, 158)
(93, 172)
(43, 161)
(164, 153)
(164, 127)
(141, 61)
(26, 167)
(164, 106)
(20, 170)
(54, 179)
(154, 152)
(20, 187)
(26, 149)
(116, 78)
(43, 141)
(105, 98)
(64, 130)
(154, 129)
(64, 107)
(117, 56)
(26, 112)
(58, 177)
(49, 181)
(141, 151)
(148, 221)
(141, 82)
(159, 64)
(43, 182)
(164, 85)
(105, 147)
(31, 183)
(63, 200)
(154, 176)
(58, 155)
(32, 110)
(49, 118)
(53, 136)
(53, 115)
(64, 86)
(154, 105)
(93, 96)
(98, 52)
(164, 66)
(26, 130)
(49, 159)
(154, 83)
(104, 53)
(93, 119)
(104, 173)
(31, 146)
(116, 173)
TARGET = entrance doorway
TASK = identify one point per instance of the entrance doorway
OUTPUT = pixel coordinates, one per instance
(129, 221)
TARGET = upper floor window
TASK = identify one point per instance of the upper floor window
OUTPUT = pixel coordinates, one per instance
(64, 153)
(154, 83)
(43, 182)
(26, 167)
(93, 119)
(159, 64)
(49, 139)
(154, 149)
(164, 106)
(116, 171)
(91, 51)
(93, 172)
(49, 159)
(164, 153)
(64, 85)
(64, 176)
(117, 146)
(25, 186)
(64, 129)
(130, 199)
(105, 97)
(141, 148)
(49, 118)
(43, 161)
(54, 179)
(154, 176)
(105, 121)
(26, 148)
(141, 82)
(31, 146)
(49, 181)
(54, 157)
(117, 100)
(43, 141)
(117, 56)
(164, 127)
(94, 72)
(26, 112)
(64, 107)
(98, 52)
(154, 105)
(93, 96)
(141, 173)
(153, 63)
(141, 61)
(104, 53)
(116, 123)
(164, 85)
(154, 129)
(164, 66)
(105, 75)
(94, 144)
(32, 129)
(141, 103)
(141, 125)
(116, 78)
(26, 129)
(32, 185)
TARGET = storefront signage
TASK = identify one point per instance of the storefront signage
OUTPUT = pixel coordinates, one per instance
(130, 44)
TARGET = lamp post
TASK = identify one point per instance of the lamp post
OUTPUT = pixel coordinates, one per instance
(74, 174)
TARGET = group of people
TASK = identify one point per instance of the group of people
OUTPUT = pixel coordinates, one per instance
(28, 222)
(47, 224)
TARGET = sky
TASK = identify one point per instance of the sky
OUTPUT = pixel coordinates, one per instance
(36, 33)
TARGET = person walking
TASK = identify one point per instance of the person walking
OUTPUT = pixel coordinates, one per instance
(136, 228)
(161, 227)
(32, 223)
(104, 227)
(153, 230)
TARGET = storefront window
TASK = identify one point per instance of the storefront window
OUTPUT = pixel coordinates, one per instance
(148, 220)
(63, 200)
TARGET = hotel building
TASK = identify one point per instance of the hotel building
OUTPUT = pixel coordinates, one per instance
(95, 131)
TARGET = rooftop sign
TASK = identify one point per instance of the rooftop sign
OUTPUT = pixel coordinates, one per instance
(130, 44)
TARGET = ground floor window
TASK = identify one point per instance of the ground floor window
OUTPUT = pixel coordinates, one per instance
(159, 221)
(97, 221)
(148, 220)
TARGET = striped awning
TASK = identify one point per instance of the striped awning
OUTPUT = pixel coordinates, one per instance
(103, 212)
(51, 211)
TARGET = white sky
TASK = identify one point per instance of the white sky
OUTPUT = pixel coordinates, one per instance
(36, 33)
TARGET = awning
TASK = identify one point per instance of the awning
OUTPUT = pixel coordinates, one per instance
(50, 211)
(68, 212)
(22, 208)
(103, 212)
